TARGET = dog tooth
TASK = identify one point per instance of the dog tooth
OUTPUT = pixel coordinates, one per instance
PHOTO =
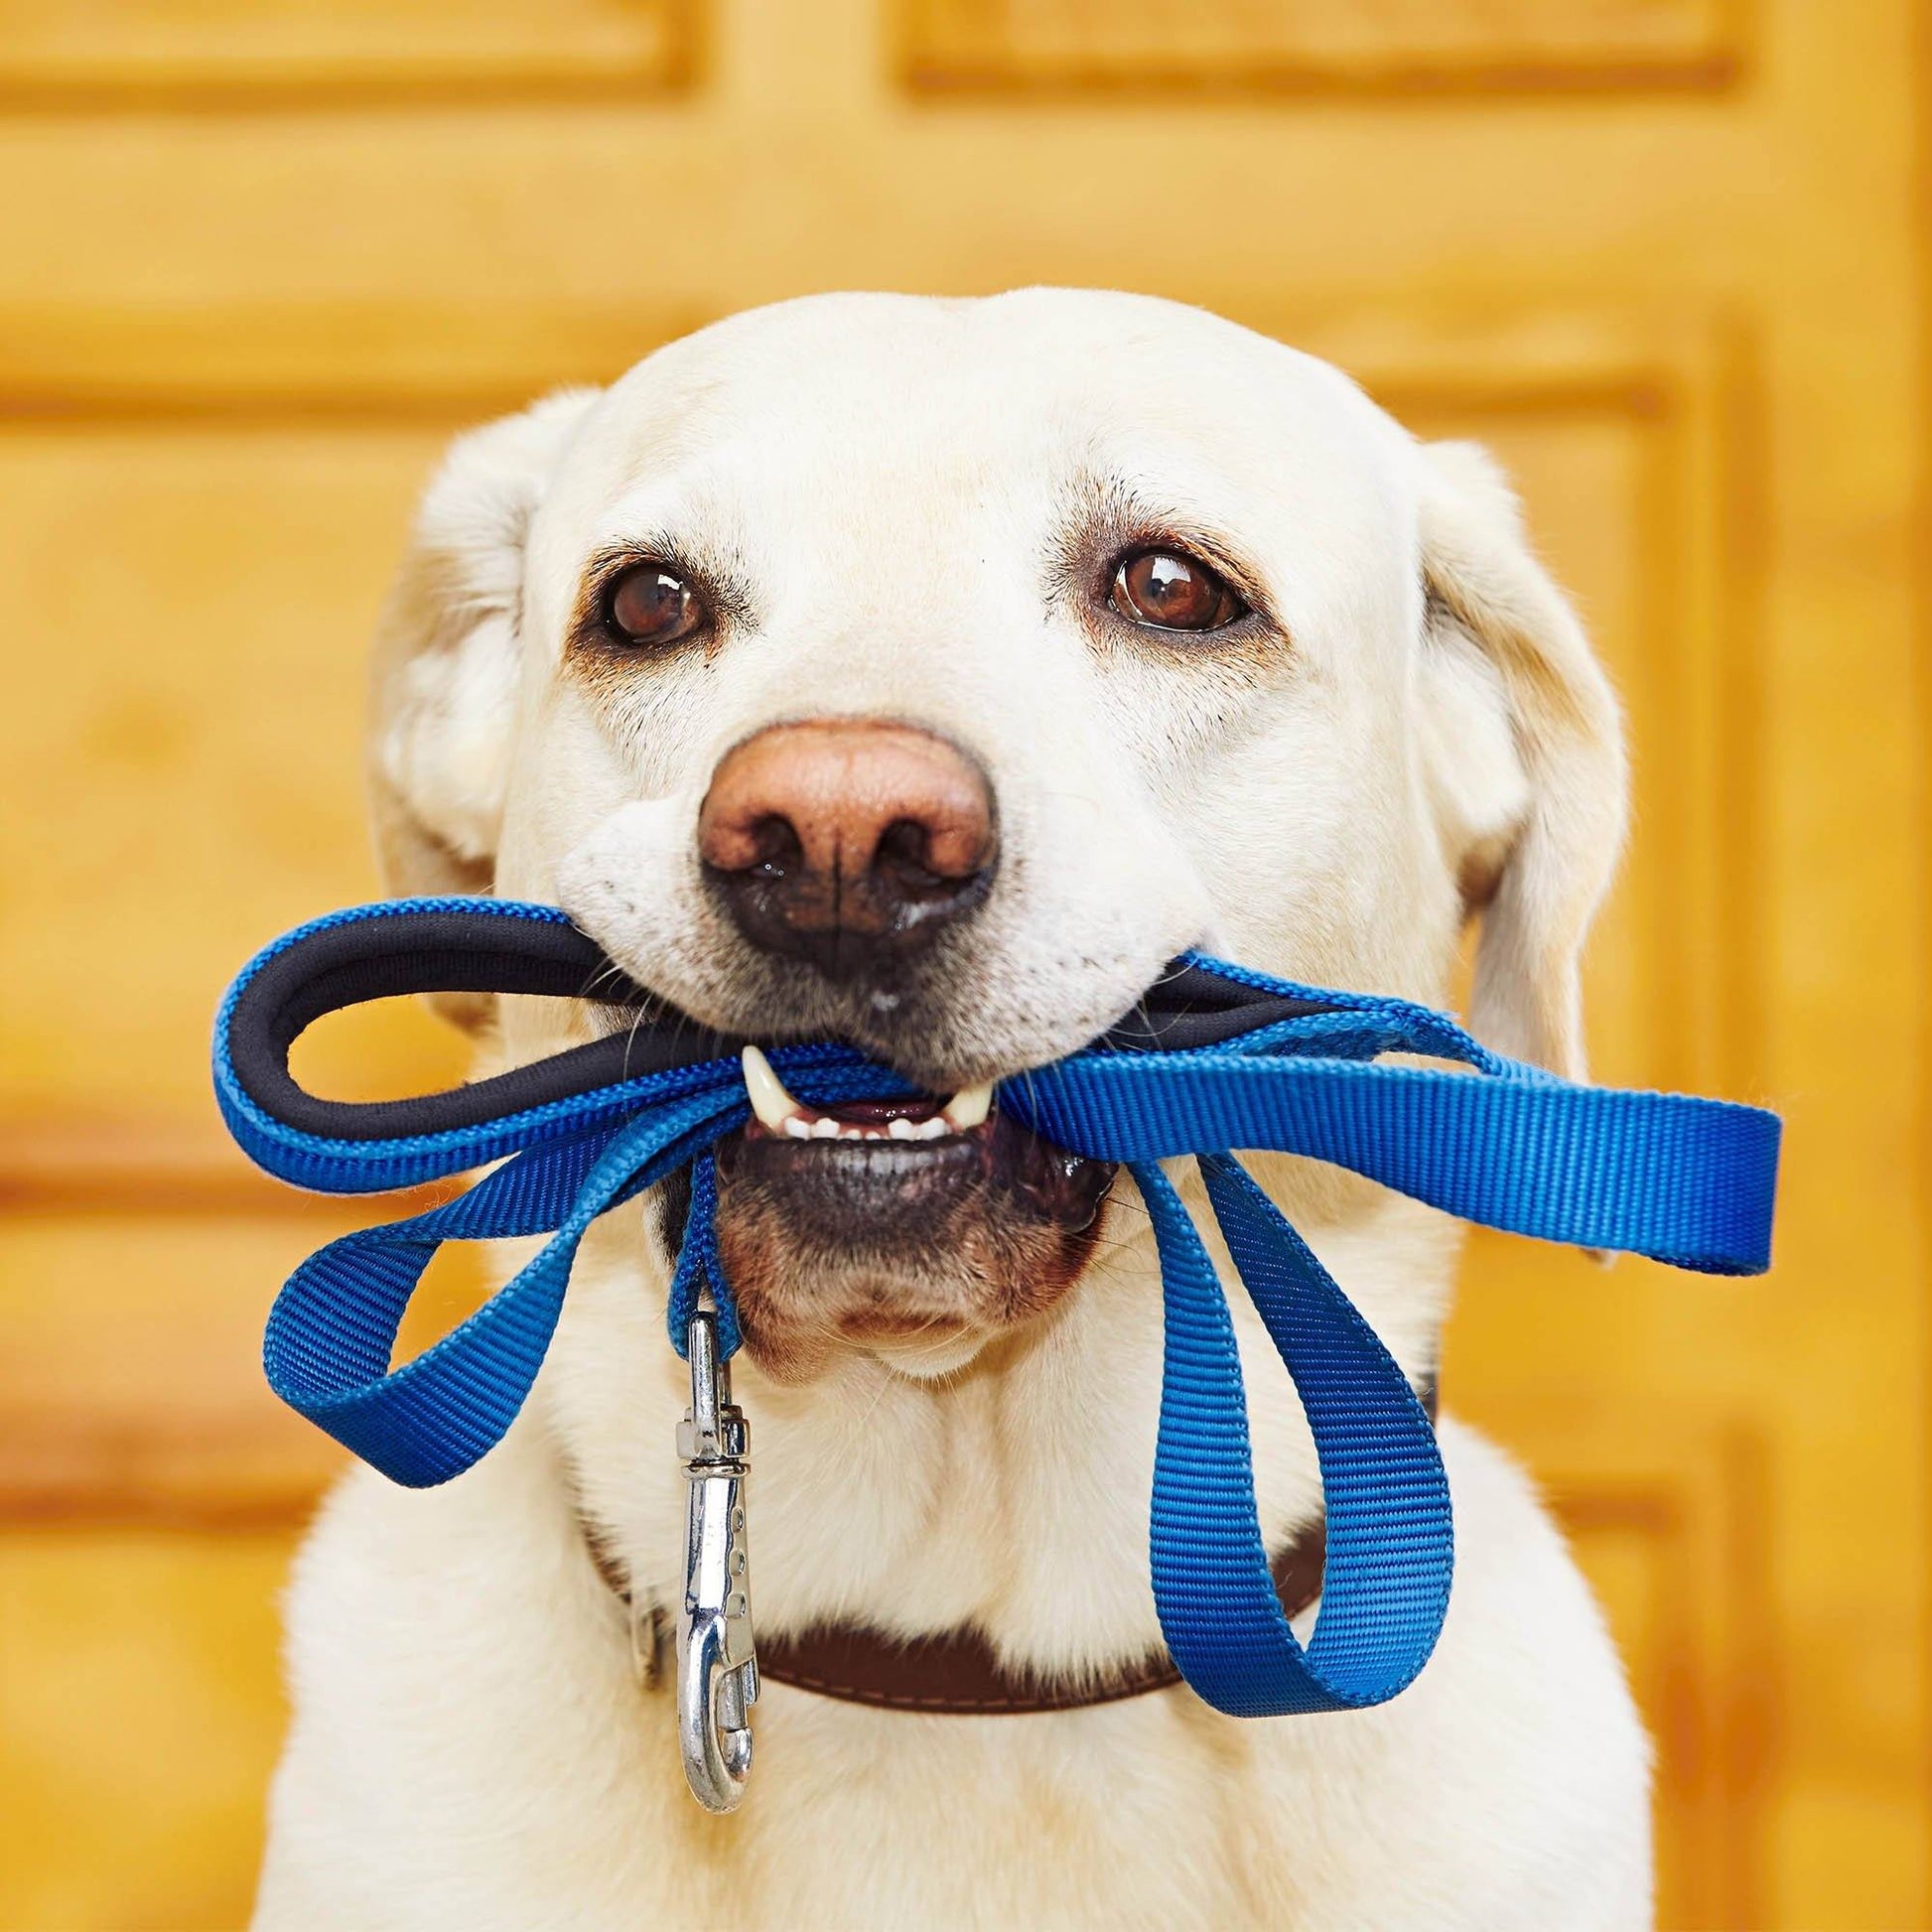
(969, 1107)
(903, 1129)
(773, 1106)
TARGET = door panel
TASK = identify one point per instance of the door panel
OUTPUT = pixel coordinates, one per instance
(72, 52)
(1663, 256)
(141, 1708)
(1386, 44)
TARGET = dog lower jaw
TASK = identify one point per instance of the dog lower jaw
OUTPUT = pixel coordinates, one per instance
(931, 1358)
(917, 1251)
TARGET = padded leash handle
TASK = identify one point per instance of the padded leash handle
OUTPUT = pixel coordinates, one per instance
(381, 952)
(484, 945)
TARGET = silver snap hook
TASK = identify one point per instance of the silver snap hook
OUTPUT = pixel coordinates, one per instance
(716, 1667)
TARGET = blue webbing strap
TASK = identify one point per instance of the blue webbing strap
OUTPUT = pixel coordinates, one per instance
(1386, 1577)
(1686, 1180)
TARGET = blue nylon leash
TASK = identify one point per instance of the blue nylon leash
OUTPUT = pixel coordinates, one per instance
(1274, 1065)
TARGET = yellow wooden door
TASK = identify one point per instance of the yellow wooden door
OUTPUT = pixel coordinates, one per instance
(259, 257)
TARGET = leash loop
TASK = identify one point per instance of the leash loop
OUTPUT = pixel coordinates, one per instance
(1390, 1547)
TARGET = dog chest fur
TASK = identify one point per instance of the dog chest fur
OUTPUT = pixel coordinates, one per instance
(471, 1747)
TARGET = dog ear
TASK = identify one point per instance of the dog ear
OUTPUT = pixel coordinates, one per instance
(445, 671)
(444, 691)
(1527, 757)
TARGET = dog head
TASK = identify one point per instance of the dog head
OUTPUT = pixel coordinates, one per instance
(927, 675)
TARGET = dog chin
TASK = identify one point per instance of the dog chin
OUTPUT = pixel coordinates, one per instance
(933, 1356)
(920, 1250)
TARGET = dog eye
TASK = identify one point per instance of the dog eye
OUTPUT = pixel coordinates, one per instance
(1168, 590)
(650, 605)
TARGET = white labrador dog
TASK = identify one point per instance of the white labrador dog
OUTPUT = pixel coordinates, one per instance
(928, 673)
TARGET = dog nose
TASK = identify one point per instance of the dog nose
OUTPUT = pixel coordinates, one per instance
(850, 843)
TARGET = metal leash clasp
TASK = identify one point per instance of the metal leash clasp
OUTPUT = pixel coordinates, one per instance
(716, 1668)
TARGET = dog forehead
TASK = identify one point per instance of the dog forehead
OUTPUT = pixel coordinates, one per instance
(919, 402)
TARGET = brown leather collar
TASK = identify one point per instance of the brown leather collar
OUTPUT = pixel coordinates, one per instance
(957, 1672)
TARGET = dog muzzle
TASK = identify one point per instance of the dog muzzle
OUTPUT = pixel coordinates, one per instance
(1213, 1058)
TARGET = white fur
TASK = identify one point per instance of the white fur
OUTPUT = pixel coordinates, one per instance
(470, 1747)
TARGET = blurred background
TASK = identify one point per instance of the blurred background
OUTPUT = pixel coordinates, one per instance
(260, 259)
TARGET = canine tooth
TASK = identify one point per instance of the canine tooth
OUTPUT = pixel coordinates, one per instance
(825, 1127)
(902, 1129)
(969, 1107)
(773, 1106)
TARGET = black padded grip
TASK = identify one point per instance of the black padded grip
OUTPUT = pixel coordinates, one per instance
(411, 951)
